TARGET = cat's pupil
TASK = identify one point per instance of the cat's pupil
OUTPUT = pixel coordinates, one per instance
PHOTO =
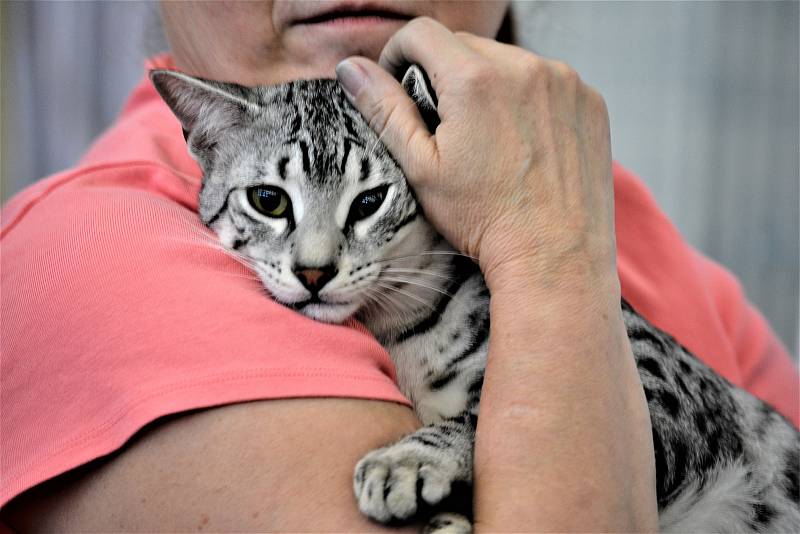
(270, 201)
(367, 203)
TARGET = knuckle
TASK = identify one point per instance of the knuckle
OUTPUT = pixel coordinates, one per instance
(596, 101)
(569, 75)
(533, 68)
(563, 70)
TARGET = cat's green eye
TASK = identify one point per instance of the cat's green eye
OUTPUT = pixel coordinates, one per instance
(367, 203)
(271, 201)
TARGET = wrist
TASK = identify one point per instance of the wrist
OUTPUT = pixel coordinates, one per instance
(588, 265)
(579, 288)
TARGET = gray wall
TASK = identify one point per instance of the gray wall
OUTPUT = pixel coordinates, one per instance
(703, 98)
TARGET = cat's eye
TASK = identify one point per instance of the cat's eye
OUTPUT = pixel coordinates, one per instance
(367, 203)
(271, 201)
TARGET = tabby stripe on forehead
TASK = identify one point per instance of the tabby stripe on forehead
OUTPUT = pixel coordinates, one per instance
(306, 159)
(282, 168)
(345, 154)
(348, 124)
(364, 169)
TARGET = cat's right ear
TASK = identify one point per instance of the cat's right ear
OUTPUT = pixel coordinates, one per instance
(419, 88)
(205, 109)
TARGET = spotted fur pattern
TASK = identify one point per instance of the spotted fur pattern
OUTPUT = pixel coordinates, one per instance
(725, 461)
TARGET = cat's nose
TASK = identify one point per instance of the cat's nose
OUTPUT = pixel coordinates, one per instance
(315, 278)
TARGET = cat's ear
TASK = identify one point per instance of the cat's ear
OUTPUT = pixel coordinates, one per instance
(418, 87)
(205, 109)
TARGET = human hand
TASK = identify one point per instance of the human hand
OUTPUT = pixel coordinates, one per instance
(518, 173)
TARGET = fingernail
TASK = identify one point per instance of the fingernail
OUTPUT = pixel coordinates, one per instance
(351, 76)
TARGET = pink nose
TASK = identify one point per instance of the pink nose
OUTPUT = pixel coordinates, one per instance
(311, 276)
(314, 279)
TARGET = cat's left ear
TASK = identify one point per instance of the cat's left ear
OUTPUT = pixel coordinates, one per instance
(418, 87)
(205, 108)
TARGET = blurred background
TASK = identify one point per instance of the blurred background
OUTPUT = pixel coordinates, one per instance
(703, 98)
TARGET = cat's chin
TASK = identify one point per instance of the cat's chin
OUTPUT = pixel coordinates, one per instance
(329, 312)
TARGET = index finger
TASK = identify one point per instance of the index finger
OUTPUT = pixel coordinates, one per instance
(427, 43)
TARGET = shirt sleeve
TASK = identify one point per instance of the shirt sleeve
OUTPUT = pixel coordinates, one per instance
(765, 366)
(696, 300)
(119, 307)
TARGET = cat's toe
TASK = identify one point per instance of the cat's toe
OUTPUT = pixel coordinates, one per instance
(385, 491)
(436, 483)
(370, 481)
(401, 487)
(390, 482)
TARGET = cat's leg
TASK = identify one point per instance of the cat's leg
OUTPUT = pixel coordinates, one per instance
(389, 482)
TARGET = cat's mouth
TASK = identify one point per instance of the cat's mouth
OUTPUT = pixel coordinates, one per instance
(298, 306)
(329, 312)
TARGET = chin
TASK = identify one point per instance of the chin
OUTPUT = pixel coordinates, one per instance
(329, 312)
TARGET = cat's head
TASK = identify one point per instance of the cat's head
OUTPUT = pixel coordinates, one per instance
(296, 181)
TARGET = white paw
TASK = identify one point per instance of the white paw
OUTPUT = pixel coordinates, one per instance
(386, 480)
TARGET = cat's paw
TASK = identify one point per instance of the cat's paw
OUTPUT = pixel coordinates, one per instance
(389, 481)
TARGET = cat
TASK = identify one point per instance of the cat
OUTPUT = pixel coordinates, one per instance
(297, 186)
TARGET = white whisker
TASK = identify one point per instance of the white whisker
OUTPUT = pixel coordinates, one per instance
(407, 294)
(416, 271)
(429, 253)
(399, 306)
(373, 296)
(415, 283)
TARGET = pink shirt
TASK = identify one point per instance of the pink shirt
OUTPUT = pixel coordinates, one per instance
(118, 307)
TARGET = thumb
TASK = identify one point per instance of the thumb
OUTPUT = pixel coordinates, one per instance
(392, 114)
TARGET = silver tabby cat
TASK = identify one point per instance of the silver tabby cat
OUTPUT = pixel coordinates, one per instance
(298, 186)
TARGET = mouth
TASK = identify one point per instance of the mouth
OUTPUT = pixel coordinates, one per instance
(297, 306)
(349, 14)
(328, 312)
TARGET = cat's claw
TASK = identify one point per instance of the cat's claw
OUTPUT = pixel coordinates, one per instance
(386, 480)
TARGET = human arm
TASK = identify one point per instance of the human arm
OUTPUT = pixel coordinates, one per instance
(518, 175)
(279, 465)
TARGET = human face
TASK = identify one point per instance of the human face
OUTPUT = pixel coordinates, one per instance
(272, 41)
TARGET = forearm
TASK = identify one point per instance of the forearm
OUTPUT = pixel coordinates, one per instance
(556, 447)
(519, 173)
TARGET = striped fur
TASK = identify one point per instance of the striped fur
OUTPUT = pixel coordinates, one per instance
(725, 461)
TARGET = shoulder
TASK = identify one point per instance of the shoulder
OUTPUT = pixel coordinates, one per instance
(120, 307)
